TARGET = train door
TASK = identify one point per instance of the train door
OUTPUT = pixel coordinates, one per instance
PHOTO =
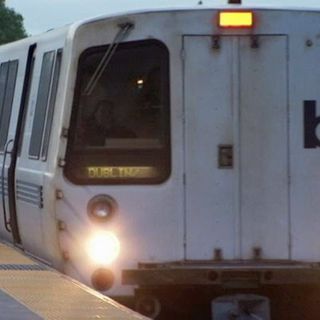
(33, 171)
(236, 147)
(13, 138)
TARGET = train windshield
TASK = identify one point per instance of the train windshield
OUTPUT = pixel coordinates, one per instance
(120, 128)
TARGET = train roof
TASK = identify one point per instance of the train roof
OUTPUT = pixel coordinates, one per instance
(186, 5)
(167, 6)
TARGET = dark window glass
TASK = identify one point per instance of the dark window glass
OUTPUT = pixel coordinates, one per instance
(120, 122)
(8, 76)
(3, 83)
(52, 102)
(41, 106)
(27, 104)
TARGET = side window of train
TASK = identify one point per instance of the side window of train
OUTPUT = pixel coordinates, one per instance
(21, 139)
(46, 97)
(120, 124)
(8, 76)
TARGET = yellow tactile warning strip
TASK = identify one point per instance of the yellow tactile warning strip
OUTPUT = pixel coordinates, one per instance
(53, 296)
(11, 256)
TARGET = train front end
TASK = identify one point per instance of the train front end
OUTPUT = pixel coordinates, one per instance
(190, 160)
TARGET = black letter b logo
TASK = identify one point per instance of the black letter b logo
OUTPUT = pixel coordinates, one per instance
(311, 121)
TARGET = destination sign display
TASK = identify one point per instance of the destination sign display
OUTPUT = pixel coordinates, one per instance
(120, 172)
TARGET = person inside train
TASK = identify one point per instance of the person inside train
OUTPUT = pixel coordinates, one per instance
(103, 124)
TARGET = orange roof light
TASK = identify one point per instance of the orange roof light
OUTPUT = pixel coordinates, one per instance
(236, 19)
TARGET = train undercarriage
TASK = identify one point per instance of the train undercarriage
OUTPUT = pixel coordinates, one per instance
(222, 291)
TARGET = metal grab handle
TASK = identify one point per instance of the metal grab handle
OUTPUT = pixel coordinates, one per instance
(6, 221)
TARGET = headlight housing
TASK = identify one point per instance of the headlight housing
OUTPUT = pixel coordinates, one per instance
(101, 208)
(102, 279)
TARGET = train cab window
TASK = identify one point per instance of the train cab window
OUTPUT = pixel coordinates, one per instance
(8, 76)
(120, 130)
(46, 96)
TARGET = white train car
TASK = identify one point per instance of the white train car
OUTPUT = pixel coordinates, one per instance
(170, 152)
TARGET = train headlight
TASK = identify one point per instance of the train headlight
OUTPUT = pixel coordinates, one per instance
(103, 248)
(101, 208)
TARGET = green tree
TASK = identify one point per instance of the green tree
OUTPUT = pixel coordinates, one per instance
(11, 24)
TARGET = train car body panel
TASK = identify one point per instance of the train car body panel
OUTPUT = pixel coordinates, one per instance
(31, 177)
(263, 160)
(168, 217)
(206, 185)
(240, 82)
(34, 185)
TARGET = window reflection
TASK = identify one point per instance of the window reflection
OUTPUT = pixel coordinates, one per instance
(126, 116)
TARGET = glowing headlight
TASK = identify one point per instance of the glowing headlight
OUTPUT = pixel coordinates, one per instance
(103, 248)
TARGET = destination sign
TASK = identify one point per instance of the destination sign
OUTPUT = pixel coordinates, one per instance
(121, 172)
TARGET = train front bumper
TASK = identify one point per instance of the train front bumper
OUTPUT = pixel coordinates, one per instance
(242, 274)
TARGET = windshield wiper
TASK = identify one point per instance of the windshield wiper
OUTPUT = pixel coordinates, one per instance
(120, 36)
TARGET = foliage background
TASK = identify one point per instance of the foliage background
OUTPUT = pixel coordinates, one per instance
(11, 24)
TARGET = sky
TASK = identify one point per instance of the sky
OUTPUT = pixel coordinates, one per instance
(42, 15)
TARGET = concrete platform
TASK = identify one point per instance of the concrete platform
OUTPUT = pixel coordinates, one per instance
(31, 291)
